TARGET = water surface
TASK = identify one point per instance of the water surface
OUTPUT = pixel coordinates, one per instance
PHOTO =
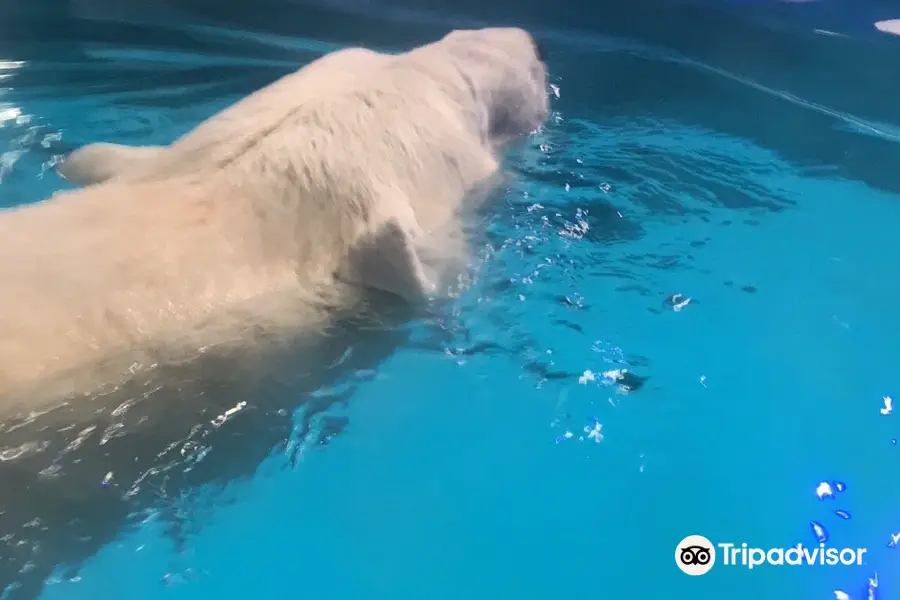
(481, 453)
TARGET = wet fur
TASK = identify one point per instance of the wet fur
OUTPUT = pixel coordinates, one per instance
(267, 219)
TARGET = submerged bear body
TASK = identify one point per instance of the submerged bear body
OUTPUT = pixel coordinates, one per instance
(194, 306)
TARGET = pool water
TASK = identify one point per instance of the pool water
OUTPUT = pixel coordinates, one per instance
(719, 238)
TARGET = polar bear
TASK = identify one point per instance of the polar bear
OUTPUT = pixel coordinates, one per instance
(266, 220)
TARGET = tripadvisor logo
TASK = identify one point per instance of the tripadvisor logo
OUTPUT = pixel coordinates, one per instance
(696, 555)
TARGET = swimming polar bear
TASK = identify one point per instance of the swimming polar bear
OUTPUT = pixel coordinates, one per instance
(265, 220)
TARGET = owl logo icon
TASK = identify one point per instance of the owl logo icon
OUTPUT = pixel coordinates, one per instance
(695, 555)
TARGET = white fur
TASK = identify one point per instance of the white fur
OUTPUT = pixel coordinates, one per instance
(257, 222)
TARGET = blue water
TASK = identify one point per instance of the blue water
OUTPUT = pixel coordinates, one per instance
(459, 456)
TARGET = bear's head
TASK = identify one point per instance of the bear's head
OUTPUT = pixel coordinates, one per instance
(506, 69)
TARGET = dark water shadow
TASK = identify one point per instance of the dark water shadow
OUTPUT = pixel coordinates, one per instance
(72, 484)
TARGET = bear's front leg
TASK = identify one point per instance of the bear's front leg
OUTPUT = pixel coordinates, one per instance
(387, 260)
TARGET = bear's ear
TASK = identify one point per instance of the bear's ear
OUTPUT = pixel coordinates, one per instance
(96, 163)
(387, 260)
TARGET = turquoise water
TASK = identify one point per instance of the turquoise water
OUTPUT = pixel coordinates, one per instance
(459, 456)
